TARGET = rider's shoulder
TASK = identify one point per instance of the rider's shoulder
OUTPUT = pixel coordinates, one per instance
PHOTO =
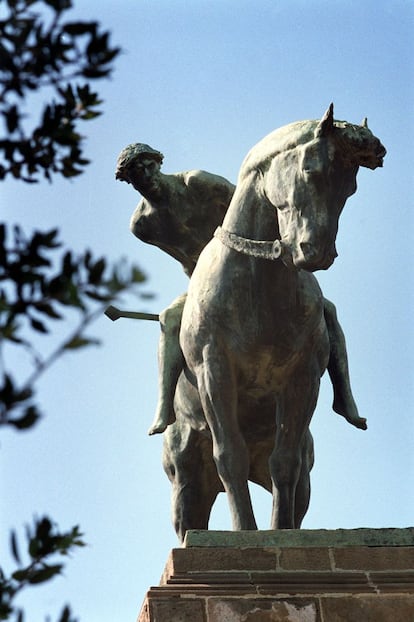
(196, 177)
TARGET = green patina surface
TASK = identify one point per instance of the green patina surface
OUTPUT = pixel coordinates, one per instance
(301, 538)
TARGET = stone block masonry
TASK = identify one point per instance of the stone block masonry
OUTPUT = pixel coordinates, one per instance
(362, 575)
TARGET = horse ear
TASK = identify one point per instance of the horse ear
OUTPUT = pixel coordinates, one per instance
(365, 123)
(326, 124)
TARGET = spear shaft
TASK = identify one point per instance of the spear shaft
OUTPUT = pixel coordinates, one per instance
(114, 314)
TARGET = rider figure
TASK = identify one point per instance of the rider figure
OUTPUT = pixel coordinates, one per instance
(179, 213)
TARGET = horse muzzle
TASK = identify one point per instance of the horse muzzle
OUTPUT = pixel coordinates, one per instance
(308, 257)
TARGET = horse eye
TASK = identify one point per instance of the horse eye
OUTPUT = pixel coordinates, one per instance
(308, 172)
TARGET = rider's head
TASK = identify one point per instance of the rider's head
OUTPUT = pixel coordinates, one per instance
(139, 164)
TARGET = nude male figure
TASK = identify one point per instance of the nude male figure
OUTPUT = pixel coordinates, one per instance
(179, 213)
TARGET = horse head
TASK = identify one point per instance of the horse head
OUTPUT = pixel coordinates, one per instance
(308, 170)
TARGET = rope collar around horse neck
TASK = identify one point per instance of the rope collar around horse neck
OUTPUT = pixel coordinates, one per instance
(266, 249)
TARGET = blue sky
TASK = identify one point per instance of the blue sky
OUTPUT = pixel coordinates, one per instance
(202, 82)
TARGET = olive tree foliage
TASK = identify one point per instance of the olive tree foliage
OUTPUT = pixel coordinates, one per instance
(47, 64)
(40, 284)
(42, 561)
(42, 52)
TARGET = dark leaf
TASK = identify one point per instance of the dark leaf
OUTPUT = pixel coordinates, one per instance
(45, 574)
(12, 119)
(81, 342)
(2, 234)
(38, 326)
(137, 275)
(96, 272)
(87, 258)
(7, 391)
(59, 5)
(66, 615)
(14, 547)
(9, 331)
(44, 528)
(28, 420)
(79, 28)
(21, 575)
(47, 238)
(93, 73)
(87, 115)
(94, 295)
(68, 267)
(5, 610)
(70, 171)
(48, 310)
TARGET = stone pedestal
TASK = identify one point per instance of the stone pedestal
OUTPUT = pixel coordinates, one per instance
(361, 575)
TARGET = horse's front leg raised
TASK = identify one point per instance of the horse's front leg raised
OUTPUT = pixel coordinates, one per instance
(218, 394)
(294, 412)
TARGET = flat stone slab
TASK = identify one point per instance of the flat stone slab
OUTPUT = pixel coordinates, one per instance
(301, 538)
(298, 575)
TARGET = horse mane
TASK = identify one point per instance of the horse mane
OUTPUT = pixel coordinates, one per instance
(356, 145)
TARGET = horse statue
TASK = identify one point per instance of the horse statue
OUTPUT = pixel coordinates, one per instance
(253, 331)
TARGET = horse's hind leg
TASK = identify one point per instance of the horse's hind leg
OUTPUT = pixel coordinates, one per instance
(303, 486)
(294, 412)
(188, 463)
(218, 394)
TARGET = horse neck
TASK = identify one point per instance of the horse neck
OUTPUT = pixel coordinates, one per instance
(250, 214)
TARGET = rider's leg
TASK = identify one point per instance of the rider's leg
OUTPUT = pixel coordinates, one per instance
(344, 403)
(170, 364)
